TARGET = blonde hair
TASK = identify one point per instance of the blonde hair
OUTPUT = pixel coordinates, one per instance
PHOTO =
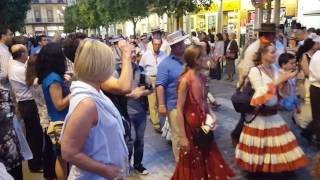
(94, 61)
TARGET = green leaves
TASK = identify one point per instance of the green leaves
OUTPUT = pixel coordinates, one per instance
(95, 13)
(13, 13)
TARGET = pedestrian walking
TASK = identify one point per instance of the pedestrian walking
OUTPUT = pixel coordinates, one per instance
(150, 61)
(314, 78)
(26, 104)
(199, 157)
(231, 56)
(10, 153)
(49, 157)
(218, 55)
(266, 144)
(267, 34)
(167, 77)
(50, 67)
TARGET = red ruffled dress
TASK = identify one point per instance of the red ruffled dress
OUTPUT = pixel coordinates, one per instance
(199, 164)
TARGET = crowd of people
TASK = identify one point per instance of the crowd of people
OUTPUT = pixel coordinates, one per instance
(82, 98)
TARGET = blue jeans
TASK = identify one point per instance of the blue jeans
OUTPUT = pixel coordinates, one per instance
(139, 124)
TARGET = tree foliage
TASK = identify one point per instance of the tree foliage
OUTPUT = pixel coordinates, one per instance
(13, 13)
(124, 10)
(95, 13)
(71, 20)
(178, 7)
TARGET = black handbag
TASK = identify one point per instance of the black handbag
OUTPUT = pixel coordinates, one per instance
(201, 139)
(241, 99)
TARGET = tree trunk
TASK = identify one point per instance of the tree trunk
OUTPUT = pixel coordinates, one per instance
(134, 27)
(178, 22)
(269, 11)
(107, 29)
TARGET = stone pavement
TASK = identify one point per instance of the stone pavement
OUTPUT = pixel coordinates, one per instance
(158, 158)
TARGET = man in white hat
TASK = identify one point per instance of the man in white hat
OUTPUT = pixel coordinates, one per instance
(143, 44)
(157, 33)
(167, 78)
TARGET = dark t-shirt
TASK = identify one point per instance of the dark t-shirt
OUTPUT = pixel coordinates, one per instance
(135, 106)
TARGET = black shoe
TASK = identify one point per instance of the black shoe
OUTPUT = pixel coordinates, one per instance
(141, 170)
(158, 130)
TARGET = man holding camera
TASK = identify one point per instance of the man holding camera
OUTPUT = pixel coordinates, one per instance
(137, 113)
(150, 61)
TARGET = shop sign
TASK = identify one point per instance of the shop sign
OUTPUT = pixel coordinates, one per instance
(52, 28)
(39, 28)
(231, 5)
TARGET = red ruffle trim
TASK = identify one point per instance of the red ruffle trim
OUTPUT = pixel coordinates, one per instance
(268, 150)
(273, 168)
(272, 132)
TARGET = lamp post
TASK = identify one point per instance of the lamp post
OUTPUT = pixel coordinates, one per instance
(220, 14)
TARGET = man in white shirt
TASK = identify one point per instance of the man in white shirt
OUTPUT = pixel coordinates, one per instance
(26, 104)
(150, 61)
(5, 56)
(314, 78)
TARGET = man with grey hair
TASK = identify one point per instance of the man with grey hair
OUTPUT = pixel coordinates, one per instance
(26, 104)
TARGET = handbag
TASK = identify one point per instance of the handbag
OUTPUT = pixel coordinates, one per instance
(230, 55)
(24, 146)
(201, 139)
(241, 99)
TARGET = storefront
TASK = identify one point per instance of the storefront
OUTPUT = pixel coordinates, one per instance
(204, 20)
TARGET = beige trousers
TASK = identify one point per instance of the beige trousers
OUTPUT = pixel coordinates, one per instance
(172, 117)
(153, 109)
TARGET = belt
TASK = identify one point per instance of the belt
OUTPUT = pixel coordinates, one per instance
(268, 110)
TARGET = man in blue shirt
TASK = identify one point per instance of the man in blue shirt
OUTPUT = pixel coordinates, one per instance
(168, 74)
(42, 41)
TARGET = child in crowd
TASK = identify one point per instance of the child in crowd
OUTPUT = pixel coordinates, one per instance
(290, 102)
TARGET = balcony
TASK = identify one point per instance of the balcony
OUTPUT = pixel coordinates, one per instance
(43, 21)
(49, 1)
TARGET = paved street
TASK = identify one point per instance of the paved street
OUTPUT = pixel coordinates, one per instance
(159, 159)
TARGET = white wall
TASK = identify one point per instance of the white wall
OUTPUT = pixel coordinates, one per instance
(308, 6)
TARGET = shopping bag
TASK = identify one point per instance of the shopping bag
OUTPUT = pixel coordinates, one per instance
(24, 146)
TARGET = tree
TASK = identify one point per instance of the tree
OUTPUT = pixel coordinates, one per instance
(71, 21)
(178, 8)
(13, 13)
(123, 10)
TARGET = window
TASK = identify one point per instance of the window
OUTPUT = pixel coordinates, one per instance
(35, 1)
(37, 15)
(50, 15)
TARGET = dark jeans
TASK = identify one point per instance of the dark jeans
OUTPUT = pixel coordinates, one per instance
(49, 158)
(235, 134)
(314, 125)
(16, 172)
(139, 124)
(29, 113)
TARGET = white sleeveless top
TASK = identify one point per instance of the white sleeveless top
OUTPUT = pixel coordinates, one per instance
(105, 141)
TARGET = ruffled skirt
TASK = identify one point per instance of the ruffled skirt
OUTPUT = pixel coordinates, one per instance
(267, 145)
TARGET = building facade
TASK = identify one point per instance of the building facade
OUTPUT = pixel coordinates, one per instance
(45, 17)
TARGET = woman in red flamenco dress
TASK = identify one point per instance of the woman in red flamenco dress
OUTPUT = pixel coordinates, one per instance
(196, 162)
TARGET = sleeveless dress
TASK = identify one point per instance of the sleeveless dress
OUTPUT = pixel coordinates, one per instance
(267, 145)
(105, 142)
(198, 163)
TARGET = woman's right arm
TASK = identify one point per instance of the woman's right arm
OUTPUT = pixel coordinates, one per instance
(83, 118)
(58, 100)
(182, 94)
(305, 65)
(122, 85)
